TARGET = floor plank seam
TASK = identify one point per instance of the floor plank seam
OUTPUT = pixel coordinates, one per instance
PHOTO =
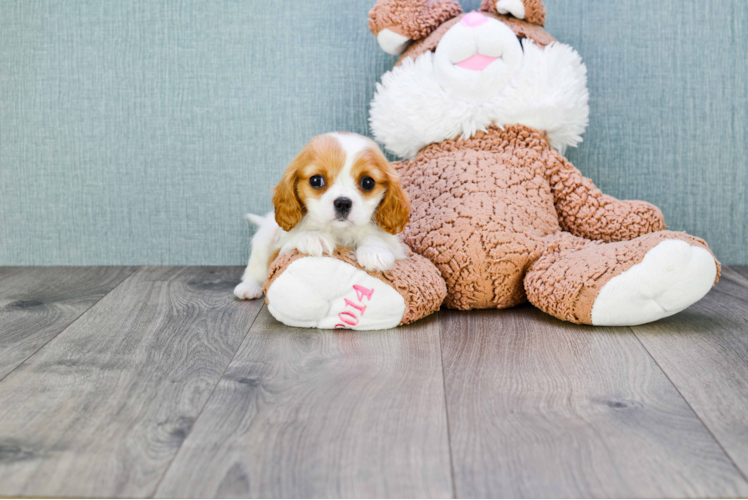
(693, 410)
(83, 313)
(207, 400)
(446, 406)
(522, 390)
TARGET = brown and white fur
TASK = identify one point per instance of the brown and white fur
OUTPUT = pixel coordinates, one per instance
(347, 209)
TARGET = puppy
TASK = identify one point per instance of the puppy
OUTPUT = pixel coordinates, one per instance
(340, 190)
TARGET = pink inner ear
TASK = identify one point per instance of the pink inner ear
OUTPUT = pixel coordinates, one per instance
(478, 62)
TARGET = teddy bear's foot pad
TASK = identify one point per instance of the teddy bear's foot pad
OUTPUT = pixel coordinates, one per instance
(326, 293)
(671, 276)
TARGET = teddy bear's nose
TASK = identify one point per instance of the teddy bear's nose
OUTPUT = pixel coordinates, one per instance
(474, 19)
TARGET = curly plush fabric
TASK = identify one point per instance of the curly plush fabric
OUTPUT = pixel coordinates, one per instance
(585, 211)
(414, 19)
(534, 10)
(416, 279)
(486, 208)
(480, 210)
(429, 43)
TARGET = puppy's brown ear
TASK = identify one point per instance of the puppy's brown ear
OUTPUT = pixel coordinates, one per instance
(288, 208)
(393, 213)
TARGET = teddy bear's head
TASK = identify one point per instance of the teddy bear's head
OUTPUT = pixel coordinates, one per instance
(459, 73)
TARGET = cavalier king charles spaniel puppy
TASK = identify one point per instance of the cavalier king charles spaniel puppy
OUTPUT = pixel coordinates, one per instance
(340, 190)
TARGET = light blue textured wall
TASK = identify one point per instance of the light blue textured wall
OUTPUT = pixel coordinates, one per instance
(139, 132)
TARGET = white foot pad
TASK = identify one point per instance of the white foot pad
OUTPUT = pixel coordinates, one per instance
(671, 277)
(322, 292)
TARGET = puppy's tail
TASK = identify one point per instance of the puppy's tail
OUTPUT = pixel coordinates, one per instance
(260, 220)
(267, 228)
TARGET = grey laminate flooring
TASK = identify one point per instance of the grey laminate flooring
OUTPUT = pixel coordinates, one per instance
(155, 382)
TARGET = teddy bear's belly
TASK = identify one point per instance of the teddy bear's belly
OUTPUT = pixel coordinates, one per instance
(480, 217)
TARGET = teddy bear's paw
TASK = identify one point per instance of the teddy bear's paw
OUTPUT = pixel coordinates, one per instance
(323, 292)
(392, 43)
(671, 277)
(248, 290)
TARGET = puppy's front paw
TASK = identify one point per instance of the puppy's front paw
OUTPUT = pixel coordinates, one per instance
(248, 290)
(315, 245)
(375, 258)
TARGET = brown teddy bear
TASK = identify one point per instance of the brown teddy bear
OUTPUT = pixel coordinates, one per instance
(482, 107)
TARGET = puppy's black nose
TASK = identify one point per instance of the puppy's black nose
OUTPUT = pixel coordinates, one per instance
(342, 206)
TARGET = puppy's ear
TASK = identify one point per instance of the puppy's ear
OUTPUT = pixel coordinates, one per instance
(288, 207)
(393, 213)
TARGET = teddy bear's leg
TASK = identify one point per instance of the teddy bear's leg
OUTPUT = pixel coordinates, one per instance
(396, 23)
(620, 284)
(336, 292)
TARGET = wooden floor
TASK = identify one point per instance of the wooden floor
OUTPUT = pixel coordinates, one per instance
(156, 382)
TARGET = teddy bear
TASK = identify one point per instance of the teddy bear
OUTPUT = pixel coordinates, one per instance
(481, 107)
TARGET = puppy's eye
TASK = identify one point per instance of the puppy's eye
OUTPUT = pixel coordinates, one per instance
(317, 181)
(367, 183)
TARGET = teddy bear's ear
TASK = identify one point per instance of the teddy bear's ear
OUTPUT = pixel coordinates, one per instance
(397, 23)
(532, 11)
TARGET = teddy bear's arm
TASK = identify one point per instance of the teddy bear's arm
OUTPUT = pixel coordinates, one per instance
(396, 23)
(401, 167)
(585, 211)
